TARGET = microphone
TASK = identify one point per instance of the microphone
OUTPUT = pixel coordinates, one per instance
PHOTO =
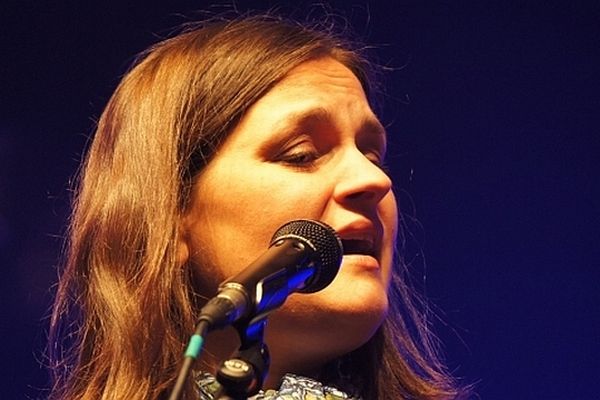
(304, 256)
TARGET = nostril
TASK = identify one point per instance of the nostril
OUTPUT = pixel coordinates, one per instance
(360, 195)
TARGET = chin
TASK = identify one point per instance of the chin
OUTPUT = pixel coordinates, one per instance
(330, 319)
(355, 298)
(318, 327)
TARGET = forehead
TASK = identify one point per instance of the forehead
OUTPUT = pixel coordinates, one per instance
(323, 88)
(322, 91)
(324, 74)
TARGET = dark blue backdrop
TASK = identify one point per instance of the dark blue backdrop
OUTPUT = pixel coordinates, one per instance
(493, 121)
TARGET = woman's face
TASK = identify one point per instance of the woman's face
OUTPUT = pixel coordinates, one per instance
(310, 148)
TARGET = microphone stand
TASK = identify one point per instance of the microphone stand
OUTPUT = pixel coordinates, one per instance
(243, 374)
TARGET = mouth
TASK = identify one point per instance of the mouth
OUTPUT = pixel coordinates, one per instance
(358, 247)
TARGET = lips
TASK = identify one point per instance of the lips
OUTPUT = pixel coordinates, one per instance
(361, 238)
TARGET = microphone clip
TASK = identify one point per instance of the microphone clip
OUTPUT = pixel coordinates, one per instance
(242, 375)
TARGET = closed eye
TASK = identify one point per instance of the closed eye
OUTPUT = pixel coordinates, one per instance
(300, 158)
(301, 152)
(375, 158)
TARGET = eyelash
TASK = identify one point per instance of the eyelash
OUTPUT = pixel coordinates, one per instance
(308, 159)
(301, 158)
(379, 162)
(306, 155)
(384, 166)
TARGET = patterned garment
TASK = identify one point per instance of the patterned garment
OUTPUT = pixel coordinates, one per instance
(292, 388)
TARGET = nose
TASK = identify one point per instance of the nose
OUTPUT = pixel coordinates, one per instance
(361, 183)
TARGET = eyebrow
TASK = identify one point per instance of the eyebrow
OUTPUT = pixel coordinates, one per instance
(320, 114)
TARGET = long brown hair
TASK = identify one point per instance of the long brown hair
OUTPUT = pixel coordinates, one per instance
(123, 308)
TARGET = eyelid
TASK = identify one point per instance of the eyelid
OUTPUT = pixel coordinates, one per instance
(375, 153)
(297, 148)
(374, 158)
(379, 160)
(372, 142)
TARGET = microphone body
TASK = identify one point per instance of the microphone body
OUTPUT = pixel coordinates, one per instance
(304, 256)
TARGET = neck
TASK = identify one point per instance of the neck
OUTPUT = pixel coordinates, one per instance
(222, 344)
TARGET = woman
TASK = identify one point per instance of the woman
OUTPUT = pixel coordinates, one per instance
(214, 139)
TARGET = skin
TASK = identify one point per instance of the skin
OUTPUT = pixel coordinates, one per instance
(310, 148)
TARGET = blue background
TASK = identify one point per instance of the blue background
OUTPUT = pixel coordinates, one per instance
(492, 111)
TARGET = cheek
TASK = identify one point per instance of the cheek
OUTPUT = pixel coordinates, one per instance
(236, 211)
(264, 196)
(388, 213)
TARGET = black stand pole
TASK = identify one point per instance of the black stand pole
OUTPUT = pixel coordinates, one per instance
(243, 374)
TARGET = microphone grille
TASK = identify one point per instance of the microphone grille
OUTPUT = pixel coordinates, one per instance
(324, 240)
